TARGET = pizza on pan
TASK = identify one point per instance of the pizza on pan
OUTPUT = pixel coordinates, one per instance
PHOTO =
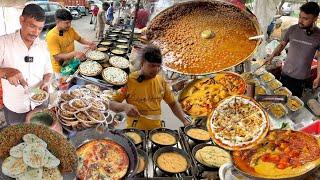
(96, 55)
(115, 76)
(90, 68)
(119, 62)
(238, 123)
(102, 159)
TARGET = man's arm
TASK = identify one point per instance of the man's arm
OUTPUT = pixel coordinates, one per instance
(277, 51)
(316, 82)
(45, 83)
(67, 56)
(84, 41)
(129, 109)
(14, 76)
(177, 111)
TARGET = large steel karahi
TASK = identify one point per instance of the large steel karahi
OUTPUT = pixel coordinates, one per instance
(203, 37)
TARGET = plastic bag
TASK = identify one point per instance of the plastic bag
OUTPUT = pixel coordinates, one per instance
(70, 67)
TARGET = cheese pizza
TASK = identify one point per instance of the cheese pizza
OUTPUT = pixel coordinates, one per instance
(96, 55)
(102, 159)
(238, 123)
(115, 76)
(90, 68)
(119, 62)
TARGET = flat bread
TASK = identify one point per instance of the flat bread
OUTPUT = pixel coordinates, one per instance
(32, 174)
(119, 62)
(13, 167)
(199, 134)
(115, 76)
(172, 162)
(51, 174)
(135, 137)
(163, 138)
(31, 139)
(34, 155)
(17, 151)
(141, 164)
(212, 156)
(50, 160)
(90, 68)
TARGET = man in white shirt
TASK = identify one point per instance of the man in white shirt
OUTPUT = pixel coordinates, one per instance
(24, 63)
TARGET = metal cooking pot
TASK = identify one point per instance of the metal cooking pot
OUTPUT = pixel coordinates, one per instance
(155, 26)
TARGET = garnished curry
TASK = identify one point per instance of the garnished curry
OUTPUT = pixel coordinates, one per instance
(283, 153)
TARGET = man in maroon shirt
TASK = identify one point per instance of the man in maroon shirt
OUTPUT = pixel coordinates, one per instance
(142, 18)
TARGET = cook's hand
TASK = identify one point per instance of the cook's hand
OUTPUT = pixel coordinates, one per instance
(186, 122)
(44, 85)
(15, 77)
(131, 110)
(268, 59)
(316, 83)
(79, 55)
(93, 46)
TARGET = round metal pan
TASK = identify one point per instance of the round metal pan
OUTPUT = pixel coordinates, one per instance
(164, 130)
(139, 132)
(193, 82)
(85, 136)
(298, 177)
(194, 151)
(145, 157)
(187, 128)
(174, 150)
(222, 3)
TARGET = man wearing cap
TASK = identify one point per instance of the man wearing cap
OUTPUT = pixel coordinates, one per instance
(61, 39)
(25, 64)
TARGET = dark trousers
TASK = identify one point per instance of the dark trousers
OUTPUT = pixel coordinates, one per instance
(296, 86)
(13, 117)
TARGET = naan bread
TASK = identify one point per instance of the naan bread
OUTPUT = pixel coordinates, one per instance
(31, 138)
(51, 174)
(13, 167)
(212, 156)
(136, 138)
(17, 151)
(31, 174)
(50, 160)
(34, 155)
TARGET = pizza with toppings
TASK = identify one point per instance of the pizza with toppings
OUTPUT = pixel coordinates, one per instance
(201, 96)
(90, 68)
(238, 123)
(102, 159)
(115, 76)
(96, 55)
(119, 62)
(282, 154)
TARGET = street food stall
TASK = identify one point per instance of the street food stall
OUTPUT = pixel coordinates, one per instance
(245, 125)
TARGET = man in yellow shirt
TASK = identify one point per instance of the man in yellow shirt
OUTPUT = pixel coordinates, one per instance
(145, 90)
(61, 39)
